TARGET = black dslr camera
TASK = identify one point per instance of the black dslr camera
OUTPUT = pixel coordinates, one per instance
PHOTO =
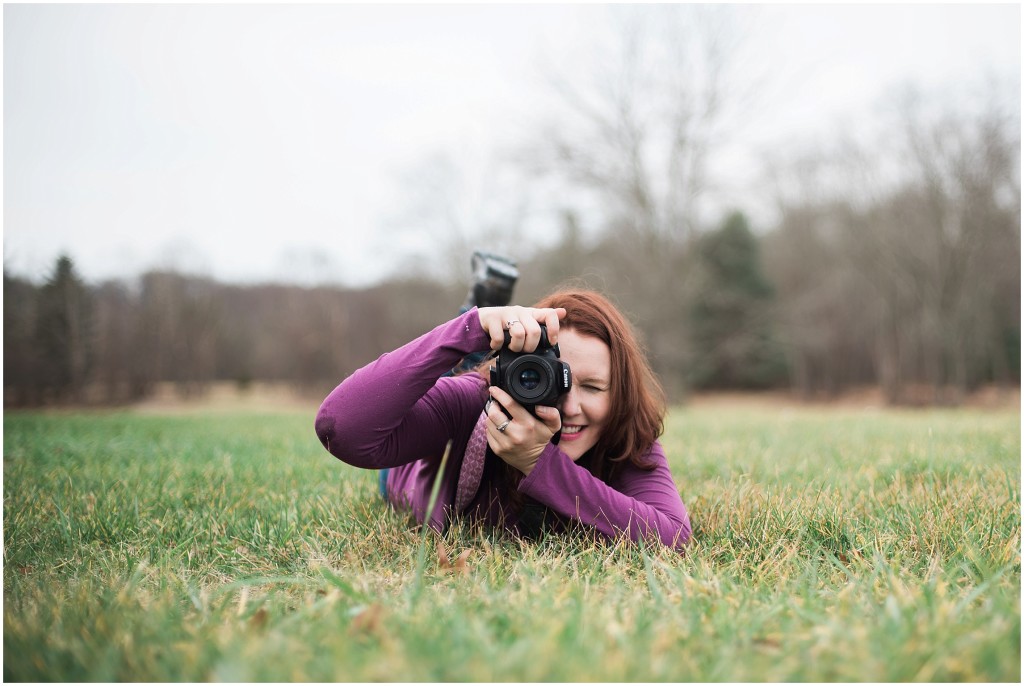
(537, 378)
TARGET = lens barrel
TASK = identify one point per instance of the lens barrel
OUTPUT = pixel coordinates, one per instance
(530, 379)
(537, 378)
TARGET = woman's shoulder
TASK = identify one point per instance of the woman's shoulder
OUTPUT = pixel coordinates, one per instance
(468, 391)
(470, 383)
(652, 459)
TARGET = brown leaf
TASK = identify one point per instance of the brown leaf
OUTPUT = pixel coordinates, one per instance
(368, 621)
(442, 556)
(444, 562)
(768, 642)
(460, 562)
(258, 619)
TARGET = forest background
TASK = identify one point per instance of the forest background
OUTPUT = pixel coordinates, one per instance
(888, 255)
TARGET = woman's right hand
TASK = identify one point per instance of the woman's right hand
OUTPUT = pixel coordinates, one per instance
(523, 323)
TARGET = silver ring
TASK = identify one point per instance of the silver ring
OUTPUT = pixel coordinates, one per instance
(504, 426)
(510, 322)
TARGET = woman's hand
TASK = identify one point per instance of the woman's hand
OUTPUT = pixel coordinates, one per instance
(523, 323)
(521, 439)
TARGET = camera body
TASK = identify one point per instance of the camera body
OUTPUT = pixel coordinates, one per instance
(534, 378)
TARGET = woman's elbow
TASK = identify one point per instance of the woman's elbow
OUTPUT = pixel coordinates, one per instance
(337, 435)
(327, 431)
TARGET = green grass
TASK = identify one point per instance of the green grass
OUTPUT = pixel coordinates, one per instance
(830, 545)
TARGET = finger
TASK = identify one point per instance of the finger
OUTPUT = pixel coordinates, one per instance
(501, 428)
(551, 319)
(531, 329)
(495, 441)
(518, 412)
(492, 323)
(497, 334)
(550, 416)
(496, 438)
(494, 414)
(516, 329)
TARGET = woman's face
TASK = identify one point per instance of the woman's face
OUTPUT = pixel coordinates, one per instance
(586, 406)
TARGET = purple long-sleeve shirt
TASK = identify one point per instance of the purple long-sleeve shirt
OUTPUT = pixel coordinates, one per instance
(400, 412)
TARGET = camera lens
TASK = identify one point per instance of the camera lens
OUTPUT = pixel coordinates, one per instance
(529, 379)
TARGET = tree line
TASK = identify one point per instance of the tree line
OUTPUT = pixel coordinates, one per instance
(824, 303)
(890, 255)
(67, 341)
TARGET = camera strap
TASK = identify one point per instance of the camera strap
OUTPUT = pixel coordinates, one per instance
(472, 469)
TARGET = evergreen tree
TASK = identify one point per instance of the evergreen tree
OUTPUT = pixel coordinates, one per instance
(63, 333)
(731, 316)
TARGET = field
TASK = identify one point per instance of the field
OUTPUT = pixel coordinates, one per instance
(831, 544)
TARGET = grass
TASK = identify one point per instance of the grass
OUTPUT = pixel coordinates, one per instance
(830, 545)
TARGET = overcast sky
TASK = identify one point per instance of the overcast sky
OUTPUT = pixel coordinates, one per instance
(259, 142)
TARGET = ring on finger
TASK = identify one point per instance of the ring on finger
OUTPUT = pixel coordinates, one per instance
(504, 425)
(510, 322)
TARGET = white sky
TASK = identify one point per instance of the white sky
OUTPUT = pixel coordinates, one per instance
(253, 142)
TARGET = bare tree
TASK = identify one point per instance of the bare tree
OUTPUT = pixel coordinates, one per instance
(922, 228)
(623, 150)
(21, 355)
(177, 330)
(635, 133)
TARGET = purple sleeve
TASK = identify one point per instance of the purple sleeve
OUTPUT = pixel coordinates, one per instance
(396, 409)
(640, 504)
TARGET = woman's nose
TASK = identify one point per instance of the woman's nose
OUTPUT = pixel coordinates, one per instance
(570, 405)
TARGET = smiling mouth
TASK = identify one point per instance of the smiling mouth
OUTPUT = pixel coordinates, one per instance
(571, 430)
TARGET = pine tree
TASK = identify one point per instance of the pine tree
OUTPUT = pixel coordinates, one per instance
(731, 317)
(63, 333)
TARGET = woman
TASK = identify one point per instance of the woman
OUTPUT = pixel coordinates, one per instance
(607, 471)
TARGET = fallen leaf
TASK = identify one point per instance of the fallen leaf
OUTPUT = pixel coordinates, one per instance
(460, 566)
(767, 642)
(258, 619)
(460, 562)
(368, 621)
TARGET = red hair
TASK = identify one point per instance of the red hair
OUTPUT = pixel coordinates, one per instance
(637, 401)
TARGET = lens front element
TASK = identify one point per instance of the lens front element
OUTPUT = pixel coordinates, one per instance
(529, 379)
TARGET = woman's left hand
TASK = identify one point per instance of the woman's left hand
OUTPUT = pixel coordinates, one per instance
(521, 439)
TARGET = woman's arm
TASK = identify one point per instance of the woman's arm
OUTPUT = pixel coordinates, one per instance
(641, 504)
(395, 410)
